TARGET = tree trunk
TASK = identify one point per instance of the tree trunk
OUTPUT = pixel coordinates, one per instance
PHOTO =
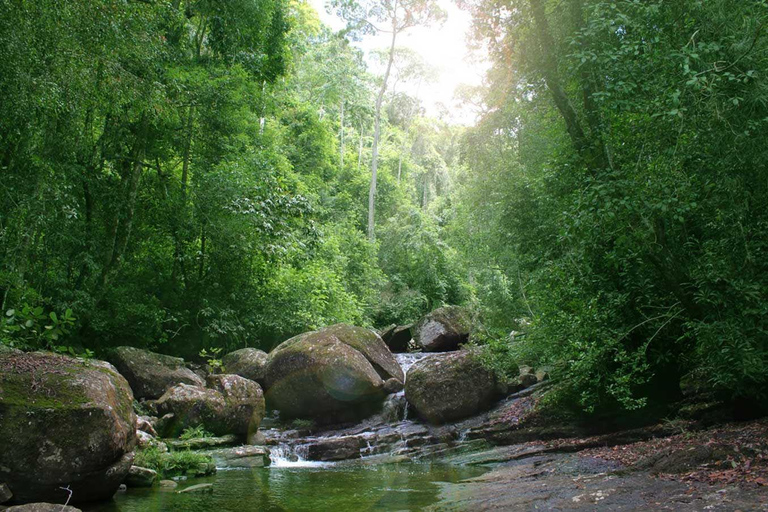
(552, 79)
(341, 137)
(121, 229)
(377, 130)
(360, 150)
(187, 150)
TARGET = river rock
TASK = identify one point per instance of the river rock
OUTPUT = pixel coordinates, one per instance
(5, 493)
(151, 374)
(250, 363)
(232, 405)
(443, 330)
(317, 375)
(450, 387)
(242, 457)
(392, 386)
(363, 340)
(397, 337)
(42, 507)
(400, 338)
(202, 443)
(144, 424)
(63, 422)
(140, 477)
(335, 448)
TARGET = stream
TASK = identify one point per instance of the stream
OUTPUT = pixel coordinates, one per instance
(392, 470)
(331, 487)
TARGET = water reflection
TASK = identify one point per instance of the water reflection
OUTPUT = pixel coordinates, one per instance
(336, 488)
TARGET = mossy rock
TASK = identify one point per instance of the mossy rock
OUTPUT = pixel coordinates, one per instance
(232, 405)
(443, 330)
(63, 422)
(365, 341)
(317, 375)
(250, 363)
(151, 374)
(450, 387)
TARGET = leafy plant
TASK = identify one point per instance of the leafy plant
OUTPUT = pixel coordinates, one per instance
(213, 360)
(169, 464)
(31, 328)
(194, 433)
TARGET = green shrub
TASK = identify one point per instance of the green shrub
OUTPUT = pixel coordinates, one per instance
(194, 433)
(169, 464)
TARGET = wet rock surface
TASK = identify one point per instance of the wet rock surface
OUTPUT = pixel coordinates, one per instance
(241, 457)
(561, 481)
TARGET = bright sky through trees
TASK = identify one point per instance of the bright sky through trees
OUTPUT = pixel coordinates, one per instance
(444, 47)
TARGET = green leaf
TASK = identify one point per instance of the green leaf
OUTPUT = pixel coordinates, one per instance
(53, 316)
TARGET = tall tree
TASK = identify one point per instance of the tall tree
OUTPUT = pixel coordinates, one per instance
(396, 16)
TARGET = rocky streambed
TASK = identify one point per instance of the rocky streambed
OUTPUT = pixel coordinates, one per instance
(333, 420)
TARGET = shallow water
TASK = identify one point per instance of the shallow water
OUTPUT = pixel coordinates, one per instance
(338, 488)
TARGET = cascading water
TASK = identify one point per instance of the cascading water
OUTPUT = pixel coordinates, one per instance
(292, 456)
(389, 433)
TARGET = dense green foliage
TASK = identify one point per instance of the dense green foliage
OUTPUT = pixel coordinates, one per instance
(173, 177)
(621, 178)
(194, 175)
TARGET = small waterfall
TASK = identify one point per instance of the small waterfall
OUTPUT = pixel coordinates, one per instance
(397, 401)
(408, 359)
(292, 456)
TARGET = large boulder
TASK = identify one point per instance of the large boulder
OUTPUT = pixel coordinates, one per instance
(365, 341)
(450, 387)
(333, 374)
(443, 330)
(231, 405)
(250, 363)
(151, 374)
(63, 422)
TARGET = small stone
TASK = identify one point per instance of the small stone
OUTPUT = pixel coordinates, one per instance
(242, 457)
(167, 484)
(5, 493)
(198, 488)
(144, 424)
(392, 386)
(122, 488)
(140, 477)
(257, 439)
(528, 379)
(525, 370)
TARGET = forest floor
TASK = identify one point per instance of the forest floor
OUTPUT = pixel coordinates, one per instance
(721, 468)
